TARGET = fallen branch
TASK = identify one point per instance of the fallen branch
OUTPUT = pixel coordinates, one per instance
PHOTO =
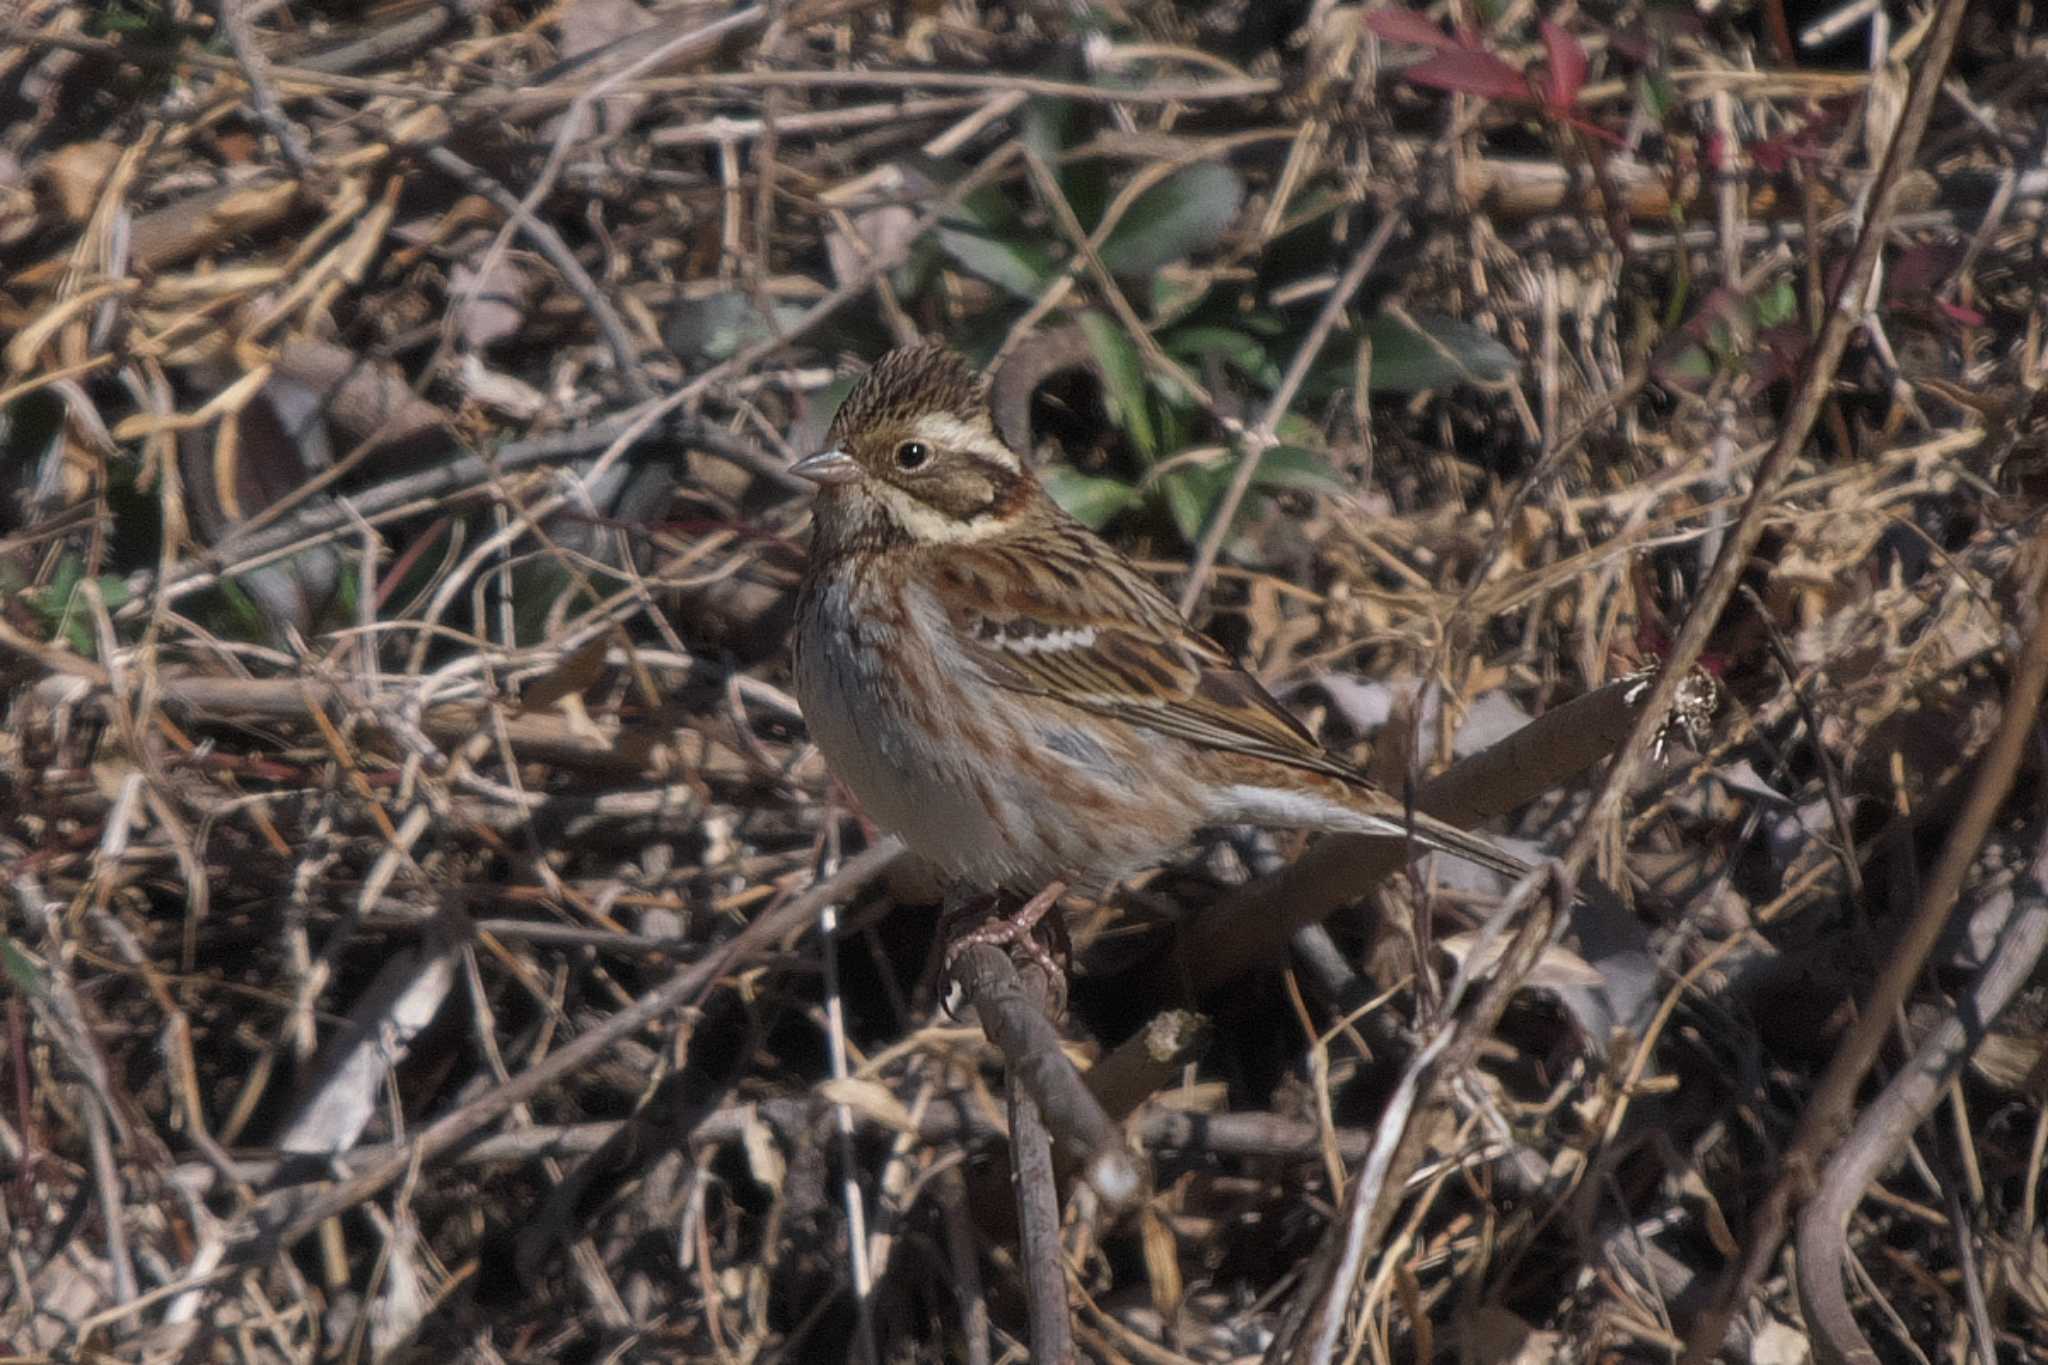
(1892, 1118)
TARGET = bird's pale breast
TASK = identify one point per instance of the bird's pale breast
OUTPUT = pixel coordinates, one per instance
(995, 788)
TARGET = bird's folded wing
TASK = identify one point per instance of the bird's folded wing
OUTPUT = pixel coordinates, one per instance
(1102, 637)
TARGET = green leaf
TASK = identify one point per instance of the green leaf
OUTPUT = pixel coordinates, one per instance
(1685, 366)
(1047, 123)
(1174, 424)
(1052, 127)
(835, 393)
(1175, 293)
(1777, 305)
(1123, 381)
(1299, 468)
(717, 327)
(1090, 499)
(1022, 269)
(1293, 429)
(1435, 353)
(59, 606)
(245, 617)
(52, 602)
(986, 238)
(1658, 94)
(1234, 348)
(20, 969)
(1190, 492)
(1182, 214)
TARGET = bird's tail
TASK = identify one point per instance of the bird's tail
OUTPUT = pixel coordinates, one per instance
(1476, 848)
(1352, 805)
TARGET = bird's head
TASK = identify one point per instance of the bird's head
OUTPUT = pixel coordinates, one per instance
(913, 454)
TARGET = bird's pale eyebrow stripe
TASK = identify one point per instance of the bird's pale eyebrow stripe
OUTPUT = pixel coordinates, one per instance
(978, 438)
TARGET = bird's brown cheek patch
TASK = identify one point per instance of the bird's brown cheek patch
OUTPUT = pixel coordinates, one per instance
(966, 494)
(958, 495)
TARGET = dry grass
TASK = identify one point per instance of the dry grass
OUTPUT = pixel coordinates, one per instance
(412, 855)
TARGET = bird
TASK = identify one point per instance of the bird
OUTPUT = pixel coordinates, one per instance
(1008, 692)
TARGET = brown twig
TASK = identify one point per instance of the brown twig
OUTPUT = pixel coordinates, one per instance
(1604, 821)
(1814, 384)
(1038, 1231)
(1906, 1102)
(1143, 1064)
(290, 1215)
(1831, 780)
(234, 21)
(1316, 1316)
(949, 1126)
(429, 489)
(1827, 1112)
(1014, 1018)
(1047, 1103)
(1151, 92)
(610, 326)
(1085, 248)
(960, 1252)
(1257, 441)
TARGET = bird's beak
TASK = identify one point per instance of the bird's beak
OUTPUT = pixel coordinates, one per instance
(827, 467)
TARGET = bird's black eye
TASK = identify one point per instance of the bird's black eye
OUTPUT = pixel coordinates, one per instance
(912, 455)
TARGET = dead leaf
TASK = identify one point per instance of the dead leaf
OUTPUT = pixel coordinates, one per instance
(884, 230)
(1496, 1336)
(871, 1101)
(587, 26)
(514, 397)
(75, 176)
(492, 304)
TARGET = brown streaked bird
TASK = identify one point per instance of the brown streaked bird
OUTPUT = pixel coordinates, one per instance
(1007, 692)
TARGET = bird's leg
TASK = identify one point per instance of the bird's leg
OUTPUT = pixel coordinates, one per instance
(1016, 930)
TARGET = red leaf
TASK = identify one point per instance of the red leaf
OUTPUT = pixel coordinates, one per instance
(1807, 142)
(1567, 67)
(1606, 135)
(1717, 309)
(1633, 44)
(1406, 26)
(1779, 352)
(1466, 72)
(1919, 268)
(1968, 317)
(1773, 155)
